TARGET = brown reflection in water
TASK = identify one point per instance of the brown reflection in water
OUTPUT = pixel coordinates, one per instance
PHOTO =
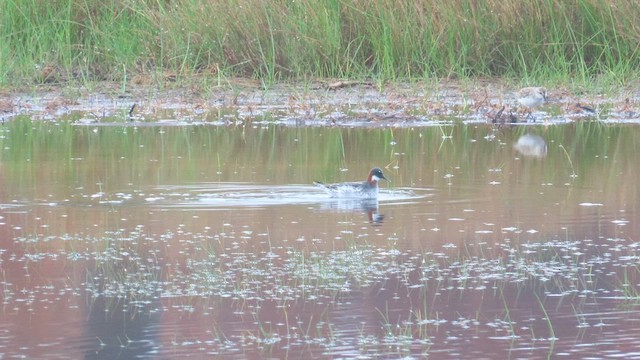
(41, 307)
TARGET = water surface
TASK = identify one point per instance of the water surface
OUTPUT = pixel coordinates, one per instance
(166, 241)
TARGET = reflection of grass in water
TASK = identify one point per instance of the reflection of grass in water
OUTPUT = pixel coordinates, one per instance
(38, 154)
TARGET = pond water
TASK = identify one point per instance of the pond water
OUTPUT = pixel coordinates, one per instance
(212, 241)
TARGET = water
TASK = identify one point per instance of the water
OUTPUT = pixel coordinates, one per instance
(203, 241)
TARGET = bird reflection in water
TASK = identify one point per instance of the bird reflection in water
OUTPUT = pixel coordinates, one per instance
(531, 145)
(367, 206)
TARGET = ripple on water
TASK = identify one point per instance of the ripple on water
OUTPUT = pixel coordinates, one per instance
(232, 195)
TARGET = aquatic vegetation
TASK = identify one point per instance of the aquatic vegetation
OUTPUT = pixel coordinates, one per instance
(128, 268)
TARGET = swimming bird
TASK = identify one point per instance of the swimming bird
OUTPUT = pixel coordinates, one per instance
(355, 190)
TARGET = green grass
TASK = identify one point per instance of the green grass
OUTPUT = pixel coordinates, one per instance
(161, 41)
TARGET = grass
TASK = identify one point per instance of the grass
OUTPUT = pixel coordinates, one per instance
(158, 42)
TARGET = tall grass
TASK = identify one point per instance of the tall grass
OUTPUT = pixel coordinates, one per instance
(116, 39)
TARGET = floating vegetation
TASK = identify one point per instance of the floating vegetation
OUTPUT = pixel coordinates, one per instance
(209, 272)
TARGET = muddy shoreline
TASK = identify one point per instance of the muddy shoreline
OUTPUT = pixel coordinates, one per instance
(320, 103)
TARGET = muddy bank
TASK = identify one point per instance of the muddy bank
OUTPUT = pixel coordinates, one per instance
(320, 103)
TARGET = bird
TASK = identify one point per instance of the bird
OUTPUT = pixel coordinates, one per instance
(532, 97)
(355, 190)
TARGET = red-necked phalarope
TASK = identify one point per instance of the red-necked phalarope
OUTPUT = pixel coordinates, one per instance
(359, 190)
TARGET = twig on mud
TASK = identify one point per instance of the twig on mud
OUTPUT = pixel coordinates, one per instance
(342, 84)
(130, 117)
(501, 118)
(98, 118)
